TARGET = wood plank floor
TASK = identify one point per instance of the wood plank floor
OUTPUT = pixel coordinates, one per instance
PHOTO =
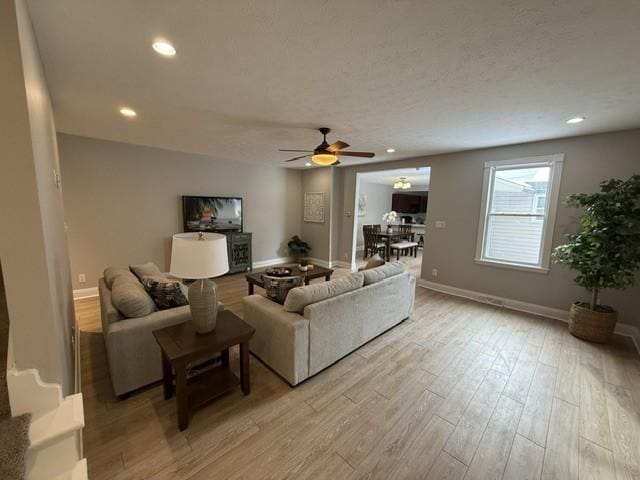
(459, 390)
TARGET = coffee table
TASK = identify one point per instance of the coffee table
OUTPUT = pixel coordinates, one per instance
(255, 279)
(181, 345)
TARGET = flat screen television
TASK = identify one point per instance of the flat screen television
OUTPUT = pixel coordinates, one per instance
(212, 214)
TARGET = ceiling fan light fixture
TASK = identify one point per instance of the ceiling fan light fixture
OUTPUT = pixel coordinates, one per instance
(324, 159)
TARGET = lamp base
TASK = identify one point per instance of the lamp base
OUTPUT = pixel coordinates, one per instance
(203, 302)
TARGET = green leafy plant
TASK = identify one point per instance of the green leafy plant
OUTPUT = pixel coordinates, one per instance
(606, 250)
(298, 247)
(304, 262)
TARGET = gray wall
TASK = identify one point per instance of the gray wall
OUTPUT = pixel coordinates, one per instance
(33, 249)
(318, 235)
(123, 202)
(378, 203)
(455, 195)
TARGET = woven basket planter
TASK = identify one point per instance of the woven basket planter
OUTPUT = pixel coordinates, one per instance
(593, 326)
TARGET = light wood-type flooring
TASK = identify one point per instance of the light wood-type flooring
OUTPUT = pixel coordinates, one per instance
(459, 390)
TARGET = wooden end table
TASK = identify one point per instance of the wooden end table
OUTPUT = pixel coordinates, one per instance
(255, 279)
(181, 345)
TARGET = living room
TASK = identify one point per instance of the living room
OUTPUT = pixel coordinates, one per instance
(490, 349)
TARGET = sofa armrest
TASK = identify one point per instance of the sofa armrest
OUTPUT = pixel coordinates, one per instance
(281, 339)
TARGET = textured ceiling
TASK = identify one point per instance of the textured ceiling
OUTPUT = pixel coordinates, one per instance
(252, 76)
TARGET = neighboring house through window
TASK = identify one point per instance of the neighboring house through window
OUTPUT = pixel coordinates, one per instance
(519, 202)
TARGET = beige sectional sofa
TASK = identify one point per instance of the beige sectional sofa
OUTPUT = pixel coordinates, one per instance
(321, 323)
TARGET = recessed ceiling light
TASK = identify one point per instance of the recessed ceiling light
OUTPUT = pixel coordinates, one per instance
(575, 120)
(391, 150)
(308, 164)
(128, 112)
(164, 48)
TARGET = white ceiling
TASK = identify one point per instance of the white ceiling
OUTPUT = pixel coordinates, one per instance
(418, 177)
(252, 76)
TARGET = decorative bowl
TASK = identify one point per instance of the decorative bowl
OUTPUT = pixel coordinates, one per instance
(278, 272)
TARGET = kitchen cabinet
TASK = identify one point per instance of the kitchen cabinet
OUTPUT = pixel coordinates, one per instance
(407, 203)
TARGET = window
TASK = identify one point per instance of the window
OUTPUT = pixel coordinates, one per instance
(519, 201)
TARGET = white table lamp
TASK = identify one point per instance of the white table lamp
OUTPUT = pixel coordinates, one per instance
(200, 256)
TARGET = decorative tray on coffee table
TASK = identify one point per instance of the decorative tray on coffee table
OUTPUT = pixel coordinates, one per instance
(278, 272)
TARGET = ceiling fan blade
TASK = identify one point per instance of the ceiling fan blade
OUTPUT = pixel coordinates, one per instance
(297, 158)
(284, 150)
(339, 145)
(355, 154)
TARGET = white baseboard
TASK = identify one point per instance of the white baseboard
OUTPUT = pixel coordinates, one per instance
(331, 264)
(319, 262)
(347, 265)
(272, 261)
(558, 314)
(85, 293)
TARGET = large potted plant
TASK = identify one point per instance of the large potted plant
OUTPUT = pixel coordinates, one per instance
(605, 252)
(299, 248)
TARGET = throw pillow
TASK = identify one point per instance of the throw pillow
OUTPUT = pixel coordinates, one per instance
(14, 441)
(277, 288)
(148, 269)
(375, 261)
(111, 273)
(164, 292)
(130, 298)
(380, 273)
(300, 297)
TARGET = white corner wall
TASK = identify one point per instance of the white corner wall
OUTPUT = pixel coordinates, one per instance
(33, 248)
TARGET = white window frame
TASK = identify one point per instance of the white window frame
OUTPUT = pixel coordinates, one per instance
(554, 161)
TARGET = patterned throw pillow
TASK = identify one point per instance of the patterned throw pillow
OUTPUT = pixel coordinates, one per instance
(164, 292)
(277, 288)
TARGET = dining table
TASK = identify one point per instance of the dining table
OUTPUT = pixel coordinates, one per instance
(392, 237)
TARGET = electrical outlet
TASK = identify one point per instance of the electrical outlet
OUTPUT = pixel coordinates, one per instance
(57, 180)
(441, 224)
(434, 272)
(82, 278)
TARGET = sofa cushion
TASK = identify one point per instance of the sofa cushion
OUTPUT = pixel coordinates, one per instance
(148, 269)
(130, 298)
(165, 293)
(299, 298)
(380, 273)
(111, 273)
(375, 261)
(277, 288)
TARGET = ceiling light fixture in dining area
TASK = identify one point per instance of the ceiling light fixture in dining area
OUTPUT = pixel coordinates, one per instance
(402, 184)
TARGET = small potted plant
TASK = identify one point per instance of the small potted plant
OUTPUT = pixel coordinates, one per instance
(605, 252)
(299, 248)
(304, 265)
(390, 217)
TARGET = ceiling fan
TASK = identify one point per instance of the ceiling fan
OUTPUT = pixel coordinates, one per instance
(325, 154)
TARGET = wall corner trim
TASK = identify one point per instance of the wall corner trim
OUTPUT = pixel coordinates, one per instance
(555, 313)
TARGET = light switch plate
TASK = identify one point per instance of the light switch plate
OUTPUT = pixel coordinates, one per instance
(441, 224)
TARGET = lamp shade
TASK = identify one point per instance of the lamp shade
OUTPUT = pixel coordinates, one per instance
(199, 255)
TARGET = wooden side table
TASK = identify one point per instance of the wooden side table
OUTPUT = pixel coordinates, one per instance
(181, 345)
